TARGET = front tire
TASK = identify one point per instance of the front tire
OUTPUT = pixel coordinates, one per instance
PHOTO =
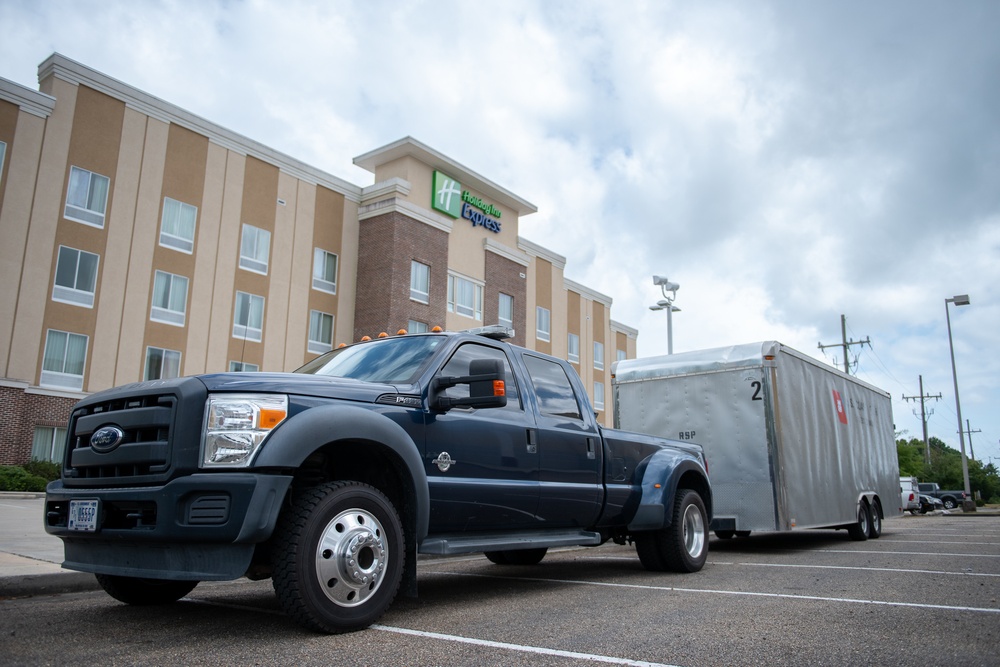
(338, 557)
(144, 592)
(683, 545)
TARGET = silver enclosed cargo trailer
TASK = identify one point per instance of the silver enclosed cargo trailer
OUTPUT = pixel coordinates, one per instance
(791, 443)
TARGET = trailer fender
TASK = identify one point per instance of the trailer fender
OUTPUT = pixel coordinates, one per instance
(661, 478)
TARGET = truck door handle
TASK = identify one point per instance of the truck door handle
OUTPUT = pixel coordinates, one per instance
(532, 441)
(590, 448)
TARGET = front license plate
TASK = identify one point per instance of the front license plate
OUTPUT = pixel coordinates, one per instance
(83, 515)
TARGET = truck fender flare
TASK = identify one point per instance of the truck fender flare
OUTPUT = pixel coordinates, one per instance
(296, 439)
(660, 480)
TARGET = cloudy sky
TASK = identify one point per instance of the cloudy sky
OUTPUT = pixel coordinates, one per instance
(786, 162)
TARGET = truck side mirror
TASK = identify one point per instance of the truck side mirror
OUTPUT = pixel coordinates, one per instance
(487, 388)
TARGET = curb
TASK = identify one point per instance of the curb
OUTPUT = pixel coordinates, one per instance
(55, 583)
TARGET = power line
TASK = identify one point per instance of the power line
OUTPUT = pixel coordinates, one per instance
(846, 344)
(923, 416)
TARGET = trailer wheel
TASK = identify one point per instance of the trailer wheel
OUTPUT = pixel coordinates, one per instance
(742, 533)
(683, 545)
(338, 557)
(725, 534)
(859, 529)
(875, 521)
(517, 557)
(144, 592)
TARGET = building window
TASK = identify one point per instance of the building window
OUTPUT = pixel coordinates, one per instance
(324, 271)
(599, 356)
(620, 355)
(248, 322)
(242, 367)
(543, 325)
(465, 297)
(48, 444)
(598, 395)
(505, 313)
(416, 327)
(87, 197)
(65, 355)
(573, 347)
(420, 282)
(76, 277)
(320, 332)
(162, 364)
(177, 228)
(254, 249)
(169, 299)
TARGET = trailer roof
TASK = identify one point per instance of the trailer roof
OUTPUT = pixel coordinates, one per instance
(747, 355)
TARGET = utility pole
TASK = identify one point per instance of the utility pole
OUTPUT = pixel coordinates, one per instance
(969, 432)
(846, 344)
(923, 416)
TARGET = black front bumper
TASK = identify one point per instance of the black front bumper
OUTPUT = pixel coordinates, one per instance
(199, 527)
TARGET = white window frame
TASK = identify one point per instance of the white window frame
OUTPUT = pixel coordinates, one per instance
(420, 282)
(573, 348)
(599, 355)
(621, 355)
(414, 326)
(506, 302)
(543, 324)
(246, 330)
(178, 214)
(82, 212)
(51, 439)
(243, 367)
(321, 263)
(75, 295)
(59, 377)
(460, 290)
(598, 395)
(170, 360)
(318, 345)
(170, 313)
(255, 257)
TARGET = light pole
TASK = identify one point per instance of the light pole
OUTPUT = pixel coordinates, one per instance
(667, 304)
(969, 504)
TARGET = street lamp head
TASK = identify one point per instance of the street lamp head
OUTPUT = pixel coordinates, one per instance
(665, 283)
(959, 300)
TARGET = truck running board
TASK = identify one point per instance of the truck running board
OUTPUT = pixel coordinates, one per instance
(449, 545)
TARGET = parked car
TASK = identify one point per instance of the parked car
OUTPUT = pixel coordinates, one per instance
(908, 494)
(928, 504)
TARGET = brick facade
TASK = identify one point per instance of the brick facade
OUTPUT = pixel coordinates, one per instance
(386, 246)
(504, 275)
(21, 412)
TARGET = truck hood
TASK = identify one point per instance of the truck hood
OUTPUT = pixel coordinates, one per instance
(301, 384)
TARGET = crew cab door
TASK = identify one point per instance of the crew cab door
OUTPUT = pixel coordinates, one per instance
(569, 447)
(482, 473)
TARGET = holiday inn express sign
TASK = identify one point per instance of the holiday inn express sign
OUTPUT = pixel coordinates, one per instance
(448, 197)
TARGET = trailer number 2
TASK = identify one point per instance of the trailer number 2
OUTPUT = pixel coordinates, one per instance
(756, 391)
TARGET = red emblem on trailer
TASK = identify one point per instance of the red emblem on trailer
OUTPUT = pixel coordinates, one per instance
(841, 413)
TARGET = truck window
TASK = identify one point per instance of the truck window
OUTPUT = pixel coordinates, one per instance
(459, 365)
(391, 360)
(556, 397)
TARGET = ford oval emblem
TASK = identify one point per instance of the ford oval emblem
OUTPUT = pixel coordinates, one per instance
(106, 438)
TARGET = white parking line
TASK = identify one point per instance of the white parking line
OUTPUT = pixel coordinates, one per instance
(710, 591)
(518, 647)
(904, 553)
(866, 569)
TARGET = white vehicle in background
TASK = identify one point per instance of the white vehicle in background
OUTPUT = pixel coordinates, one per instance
(909, 494)
(791, 443)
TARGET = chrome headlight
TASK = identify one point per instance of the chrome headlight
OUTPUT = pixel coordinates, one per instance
(236, 425)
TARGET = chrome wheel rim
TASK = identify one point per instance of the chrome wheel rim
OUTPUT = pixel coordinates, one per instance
(694, 531)
(351, 557)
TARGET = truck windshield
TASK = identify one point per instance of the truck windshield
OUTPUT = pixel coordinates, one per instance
(391, 361)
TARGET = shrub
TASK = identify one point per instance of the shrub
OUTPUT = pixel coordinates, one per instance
(16, 478)
(45, 469)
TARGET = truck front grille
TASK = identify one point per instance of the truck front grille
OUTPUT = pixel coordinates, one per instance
(143, 426)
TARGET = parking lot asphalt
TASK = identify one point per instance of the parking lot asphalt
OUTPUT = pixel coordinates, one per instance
(30, 558)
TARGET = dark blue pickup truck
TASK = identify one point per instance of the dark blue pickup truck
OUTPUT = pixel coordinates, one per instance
(330, 480)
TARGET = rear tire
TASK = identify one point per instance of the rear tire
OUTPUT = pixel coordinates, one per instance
(683, 545)
(144, 592)
(859, 529)
(338, 557)
(517, 556)
(874, 521)
(949, 503)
